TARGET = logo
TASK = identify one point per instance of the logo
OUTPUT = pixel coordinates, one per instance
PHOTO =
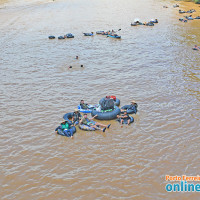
(185, 183)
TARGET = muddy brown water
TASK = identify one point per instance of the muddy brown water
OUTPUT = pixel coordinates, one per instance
(155, 66)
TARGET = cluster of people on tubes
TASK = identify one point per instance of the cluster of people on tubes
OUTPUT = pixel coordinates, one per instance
(77, 119)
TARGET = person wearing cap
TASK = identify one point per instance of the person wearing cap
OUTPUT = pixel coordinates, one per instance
(134, 106)
(134, 103)
(123, 117)
(76, 117)
(89, 122)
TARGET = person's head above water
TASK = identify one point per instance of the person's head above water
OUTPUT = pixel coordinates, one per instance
(133, 102)
(76, 110)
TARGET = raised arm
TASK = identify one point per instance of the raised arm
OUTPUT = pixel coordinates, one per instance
(93, 117)
(80, 121)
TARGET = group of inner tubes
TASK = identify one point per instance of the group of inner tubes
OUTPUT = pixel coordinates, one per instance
(107, 109)
(150, 23)
(68, 35)
(186, 18)
(189, 11)
(112, 34)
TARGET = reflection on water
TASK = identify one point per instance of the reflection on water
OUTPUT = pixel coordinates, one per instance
(153, 65)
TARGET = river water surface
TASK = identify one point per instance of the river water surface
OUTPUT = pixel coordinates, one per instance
(154, 66)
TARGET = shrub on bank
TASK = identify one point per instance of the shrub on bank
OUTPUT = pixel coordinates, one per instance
(196, 1)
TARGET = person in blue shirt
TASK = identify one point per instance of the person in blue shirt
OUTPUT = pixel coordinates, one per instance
(65, 129)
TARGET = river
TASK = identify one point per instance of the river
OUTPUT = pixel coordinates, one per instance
(155, 66)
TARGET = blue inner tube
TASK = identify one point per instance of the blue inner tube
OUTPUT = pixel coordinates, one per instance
(155, 21)
(69, 35)
(117, 102)
(150, 24)
(61, 38)
(61, 132)
(88, 34)
(134, 24)
(126, 121)
(52, 37)
(85, 111)
(68, 116)
(86, 127)
(106, 115)
(130, 109)
(114, 36)
(99, 32)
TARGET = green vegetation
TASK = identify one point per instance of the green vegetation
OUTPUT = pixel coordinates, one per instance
(196, 1)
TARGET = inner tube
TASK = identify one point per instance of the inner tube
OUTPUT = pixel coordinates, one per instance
(69, 35)
(195, 49)
(198, 17)
(116, 102)
(88, 34)
(154, 21)
(114, 36)
(68, 116)
(85, 111)
(100, 32)
(190, 11)
(130, 109)
(61, 38)
(60, 131)
(126, 121)
(134, 24)
(106, 115)
(138, 22)
(86, 127)
(150, 24)
(52, 37)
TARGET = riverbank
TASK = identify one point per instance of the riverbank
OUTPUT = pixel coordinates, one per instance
(188, 6)
(194, 1)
